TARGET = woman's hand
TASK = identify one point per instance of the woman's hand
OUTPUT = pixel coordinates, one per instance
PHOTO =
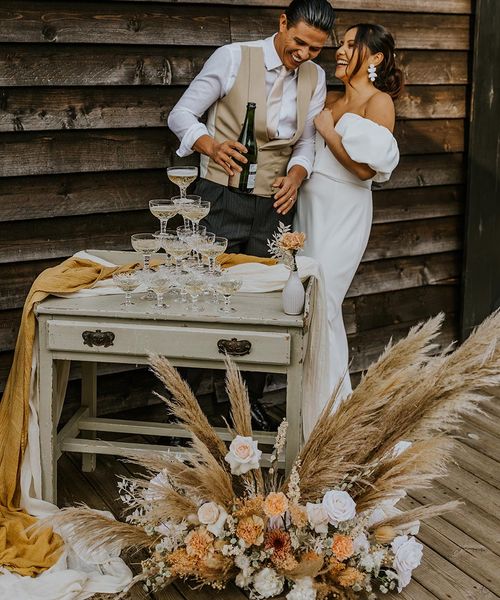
(324, 122)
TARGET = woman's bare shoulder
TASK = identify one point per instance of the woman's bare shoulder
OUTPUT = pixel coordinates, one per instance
(380, 108)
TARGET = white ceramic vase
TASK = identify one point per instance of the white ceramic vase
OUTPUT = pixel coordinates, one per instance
(293, 295)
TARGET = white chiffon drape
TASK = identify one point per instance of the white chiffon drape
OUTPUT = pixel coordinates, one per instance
(335, 212)
(80, 572)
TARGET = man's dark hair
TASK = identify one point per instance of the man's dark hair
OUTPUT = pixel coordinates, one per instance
(316, 13)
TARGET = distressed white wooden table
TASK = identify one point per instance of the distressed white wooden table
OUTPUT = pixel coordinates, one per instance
(259, 336)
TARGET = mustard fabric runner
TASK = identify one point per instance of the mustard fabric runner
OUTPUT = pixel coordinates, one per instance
(34, 552)
(231, 260)
(31, 553)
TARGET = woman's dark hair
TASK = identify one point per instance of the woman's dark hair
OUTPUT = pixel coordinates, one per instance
(376, 38)
(316, 13)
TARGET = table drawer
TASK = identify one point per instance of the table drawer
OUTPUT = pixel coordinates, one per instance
(175, 342)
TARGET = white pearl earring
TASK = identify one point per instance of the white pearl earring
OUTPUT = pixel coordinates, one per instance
(372, 72)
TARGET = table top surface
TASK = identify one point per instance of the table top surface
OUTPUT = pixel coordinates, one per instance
(250, 308)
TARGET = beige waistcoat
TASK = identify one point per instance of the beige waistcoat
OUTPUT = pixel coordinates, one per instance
(227, 115)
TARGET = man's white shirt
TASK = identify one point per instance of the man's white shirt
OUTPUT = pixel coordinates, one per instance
(215, 81)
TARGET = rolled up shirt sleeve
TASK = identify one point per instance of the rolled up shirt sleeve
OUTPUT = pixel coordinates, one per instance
(303, 150)
(206, 88)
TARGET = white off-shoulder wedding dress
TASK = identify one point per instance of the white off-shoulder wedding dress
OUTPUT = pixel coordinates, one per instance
(335, 212)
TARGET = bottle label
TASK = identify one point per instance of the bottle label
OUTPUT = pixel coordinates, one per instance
(252, 174)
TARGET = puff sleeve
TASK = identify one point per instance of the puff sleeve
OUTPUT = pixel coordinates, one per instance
(367, 142)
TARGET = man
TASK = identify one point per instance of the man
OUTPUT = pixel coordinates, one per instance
(289, 91)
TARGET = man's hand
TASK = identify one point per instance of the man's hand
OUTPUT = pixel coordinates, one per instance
(224, 153)
(288, 186)
(227, 153)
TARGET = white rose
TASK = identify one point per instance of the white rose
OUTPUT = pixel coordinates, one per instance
(302, 590)
(407, 556)
(339, 506)
(267, 583)
(213, 516)
(404, 578)
(317, 516)
(243, 455)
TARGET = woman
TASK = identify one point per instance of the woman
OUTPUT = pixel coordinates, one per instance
(354, 146)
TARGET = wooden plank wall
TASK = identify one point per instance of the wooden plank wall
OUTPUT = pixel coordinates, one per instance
(85, 91)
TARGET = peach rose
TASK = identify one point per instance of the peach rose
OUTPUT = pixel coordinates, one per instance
(298, 514)
(199, 542)
(292, 241)
(251, 530)
(275, 504)
(342, 546)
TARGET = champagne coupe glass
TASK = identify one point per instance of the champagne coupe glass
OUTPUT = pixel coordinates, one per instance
(184, 204)
(212, 249)
(164, 210)
(182, 177)
(160, 282)
(227, 285)
(195, 284)
(146, 244)
(177, 249)
(197, 212)
(127, 282)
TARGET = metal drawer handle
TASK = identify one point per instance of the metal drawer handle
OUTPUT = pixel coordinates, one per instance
(234, 347)
(98, 338)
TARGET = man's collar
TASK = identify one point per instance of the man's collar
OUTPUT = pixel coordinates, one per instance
(272, 59)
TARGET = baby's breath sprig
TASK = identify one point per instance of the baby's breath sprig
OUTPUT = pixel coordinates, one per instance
(294, 483)
(278, 448)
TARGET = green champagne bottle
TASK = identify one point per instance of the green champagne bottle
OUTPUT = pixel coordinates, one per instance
(245, 181)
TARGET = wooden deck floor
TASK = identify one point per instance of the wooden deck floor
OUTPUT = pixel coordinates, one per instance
(462, 550)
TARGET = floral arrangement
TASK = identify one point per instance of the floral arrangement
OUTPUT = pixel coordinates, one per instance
(285, 244)
(331, 527)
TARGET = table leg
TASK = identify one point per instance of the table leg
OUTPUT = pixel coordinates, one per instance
(294, 402)
(89, 399)
(47, 418)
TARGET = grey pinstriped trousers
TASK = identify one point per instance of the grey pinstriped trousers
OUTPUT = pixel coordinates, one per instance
(246, 220)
